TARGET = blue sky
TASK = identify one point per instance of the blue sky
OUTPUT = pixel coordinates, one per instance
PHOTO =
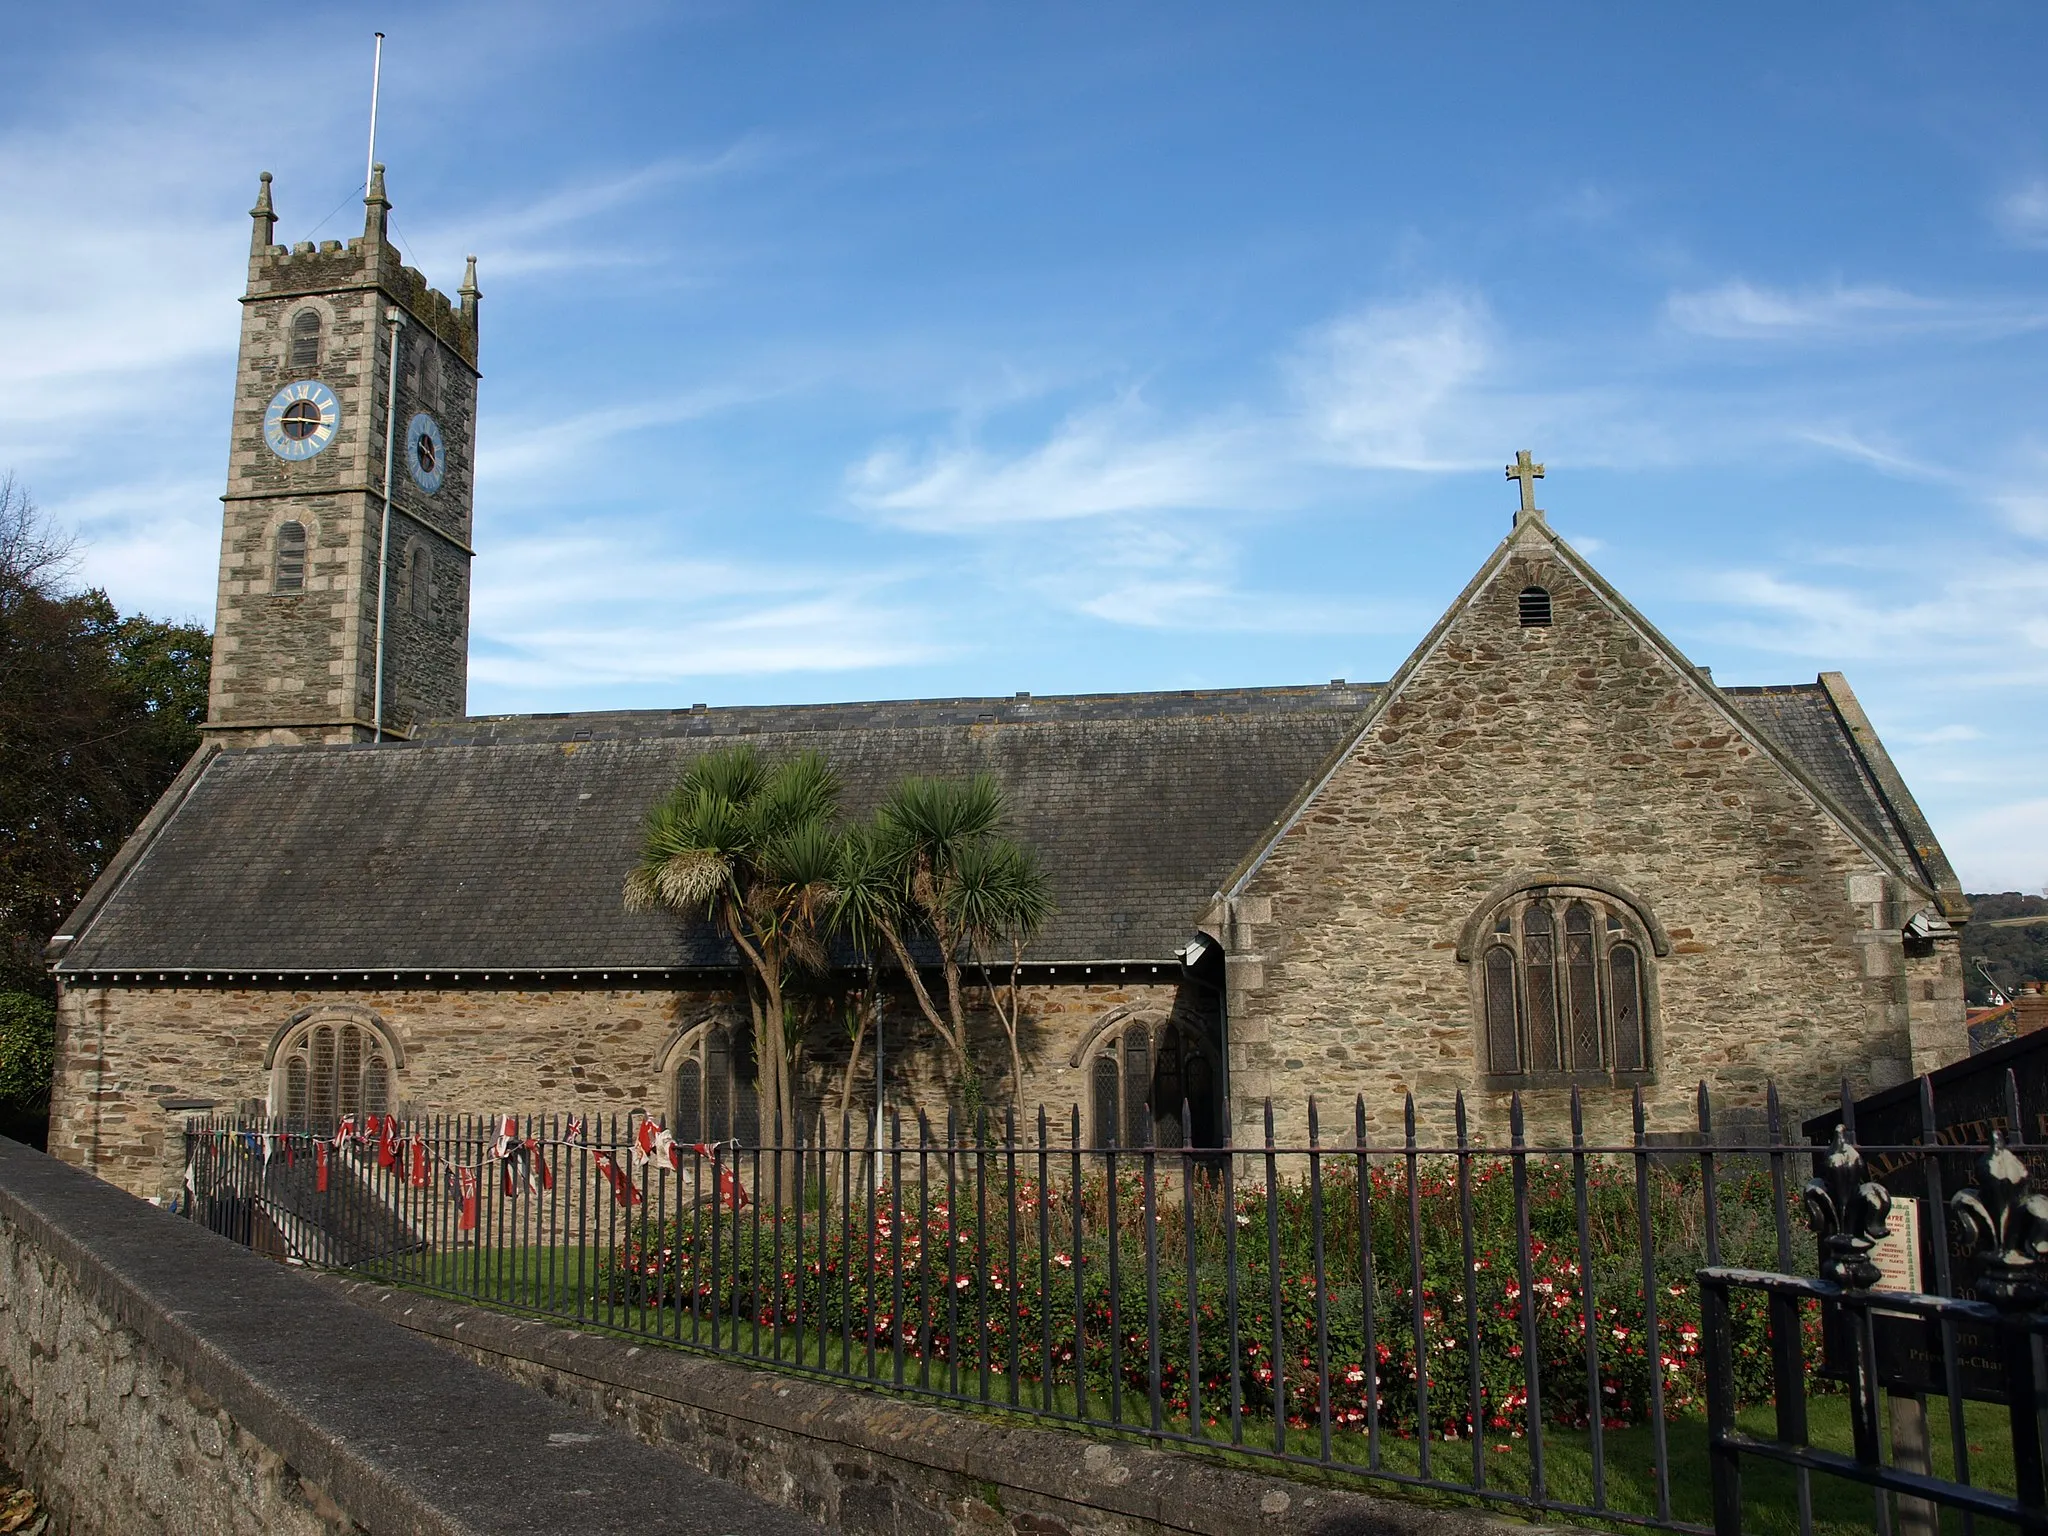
(839, 351)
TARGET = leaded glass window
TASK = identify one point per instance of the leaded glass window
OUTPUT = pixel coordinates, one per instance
(1105, 1087)
(689, 1120)
(716, 1094)
(1539, 961)
(1503, 1027)
(1631, 1048)
(331, 1068)
(1153, 1083)
(1563, 990)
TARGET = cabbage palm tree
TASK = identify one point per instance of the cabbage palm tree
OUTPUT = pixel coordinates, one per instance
(935, 864)
(751, 846)
(998, 900)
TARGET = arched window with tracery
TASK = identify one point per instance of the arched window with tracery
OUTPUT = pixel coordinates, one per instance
(715, 1087)
(328, 1068)
(1144, 1075)
(1563, 987)
(305, 344)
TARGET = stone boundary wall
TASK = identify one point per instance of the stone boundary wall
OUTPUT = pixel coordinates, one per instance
(868, 1462)
(156, 1378)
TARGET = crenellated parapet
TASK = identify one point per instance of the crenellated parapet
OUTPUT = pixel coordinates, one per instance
(369, 262)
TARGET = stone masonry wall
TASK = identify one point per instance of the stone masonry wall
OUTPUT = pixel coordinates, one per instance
(120, 1440)
(294, 667)
(1576, 748)
(867, 1462)
(156, 1380)
(124, 1052)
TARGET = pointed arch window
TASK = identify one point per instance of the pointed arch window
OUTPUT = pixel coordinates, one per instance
(715, 1088)
(1563, 989)
(1153, 1082)
(289, 572)
(305, 343)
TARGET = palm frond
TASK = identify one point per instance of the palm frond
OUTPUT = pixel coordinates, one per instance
(938, 816)
(867, 891)
(799, 792)
(997, 892)
(731, 773)
(804, 855)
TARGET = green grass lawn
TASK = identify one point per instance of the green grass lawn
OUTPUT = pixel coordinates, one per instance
(552, 1280)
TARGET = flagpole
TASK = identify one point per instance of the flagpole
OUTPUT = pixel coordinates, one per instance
(376, 78)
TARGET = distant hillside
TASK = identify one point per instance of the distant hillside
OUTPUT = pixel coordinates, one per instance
(2009, 933)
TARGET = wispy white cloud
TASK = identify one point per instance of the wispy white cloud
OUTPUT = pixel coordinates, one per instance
(543, 234)
(2022, 213)
(515, 452)
(155, 543)
(1383, 387)
(1108, 461)
(1950, 609)
(599, 609)
(1886, 458)
(1738, 310)
(1192, 603)
(1376, 387)
(1941, 735)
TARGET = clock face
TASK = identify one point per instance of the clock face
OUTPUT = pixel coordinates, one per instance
(301, 419)
(426, 455)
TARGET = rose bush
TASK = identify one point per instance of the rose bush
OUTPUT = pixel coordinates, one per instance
(1542, 1316)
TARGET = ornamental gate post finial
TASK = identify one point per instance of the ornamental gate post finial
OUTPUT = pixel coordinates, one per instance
(1528, 472)
(1848, 1215)
(2008, 1225)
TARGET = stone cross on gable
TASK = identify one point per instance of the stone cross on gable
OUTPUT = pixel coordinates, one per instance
(1528, 472)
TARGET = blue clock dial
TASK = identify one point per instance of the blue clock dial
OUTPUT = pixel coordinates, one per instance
(426, 454)
(300, 420)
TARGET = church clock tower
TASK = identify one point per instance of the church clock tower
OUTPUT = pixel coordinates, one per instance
(357, 383)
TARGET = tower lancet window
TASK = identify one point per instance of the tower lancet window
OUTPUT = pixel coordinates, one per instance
(290, 571)
(419, 581)
(305, 346)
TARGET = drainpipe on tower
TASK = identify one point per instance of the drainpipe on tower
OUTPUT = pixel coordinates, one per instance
(397, 320)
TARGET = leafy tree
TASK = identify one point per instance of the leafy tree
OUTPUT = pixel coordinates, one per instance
(97, 714)
(28, 1055)
(2008, 935)
(752, 846)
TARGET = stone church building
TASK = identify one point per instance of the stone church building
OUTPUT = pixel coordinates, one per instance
(1548, 852)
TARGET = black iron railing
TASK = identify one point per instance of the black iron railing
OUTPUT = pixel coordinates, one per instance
(1885, 1342)
(1524, 1324)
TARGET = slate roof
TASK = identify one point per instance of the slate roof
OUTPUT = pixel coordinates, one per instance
(502, 844)
(1801, 720)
